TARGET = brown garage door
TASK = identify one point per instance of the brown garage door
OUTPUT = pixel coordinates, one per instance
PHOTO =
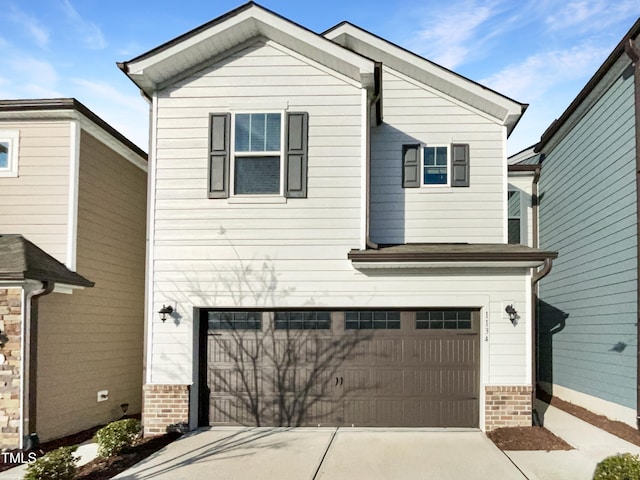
(361, 368)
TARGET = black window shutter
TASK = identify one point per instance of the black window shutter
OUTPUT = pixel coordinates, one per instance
(295, 162)
(459, 165)
(411, 166)
(219, 152)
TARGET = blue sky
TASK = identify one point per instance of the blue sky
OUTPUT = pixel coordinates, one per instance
(540, 52)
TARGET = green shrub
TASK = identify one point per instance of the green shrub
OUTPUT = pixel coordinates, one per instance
(117, 436)
(59, 464)
(623, 466)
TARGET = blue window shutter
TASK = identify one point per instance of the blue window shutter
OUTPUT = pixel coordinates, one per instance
(411, 166)
(295, 161)
(460, 165)
(219, 154)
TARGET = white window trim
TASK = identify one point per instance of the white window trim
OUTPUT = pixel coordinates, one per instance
(446, 186)
(234, 154)
(12, 137)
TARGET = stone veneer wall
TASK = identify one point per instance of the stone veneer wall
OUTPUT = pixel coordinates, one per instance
(165, 408)
(10, 368)
(507, 406)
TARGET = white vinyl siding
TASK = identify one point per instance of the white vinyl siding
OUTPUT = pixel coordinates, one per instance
(35, 203)
(415, 114)
(220, 254)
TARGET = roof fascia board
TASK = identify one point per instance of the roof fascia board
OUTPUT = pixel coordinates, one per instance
(611, 68)
(409, 63)
(256, 21)
(68, 111)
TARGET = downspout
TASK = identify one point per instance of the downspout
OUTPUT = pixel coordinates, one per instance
(29, 439)
(537, 276)
(376, 99)
(634, 54)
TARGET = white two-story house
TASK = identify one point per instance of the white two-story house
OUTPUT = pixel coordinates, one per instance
(328, 240)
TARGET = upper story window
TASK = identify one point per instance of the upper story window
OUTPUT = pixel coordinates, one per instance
(9, 153)
(258, 154)
(514, 222)
(435, 165)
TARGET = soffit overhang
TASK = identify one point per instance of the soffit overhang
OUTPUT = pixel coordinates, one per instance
(166, 64)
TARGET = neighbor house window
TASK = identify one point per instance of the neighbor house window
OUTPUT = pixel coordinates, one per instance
(514, 209)
(8, 153)
(435, 165)
(257, 153)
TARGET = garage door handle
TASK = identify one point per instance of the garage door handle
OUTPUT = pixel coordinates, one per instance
(336, 381)
(341, 381)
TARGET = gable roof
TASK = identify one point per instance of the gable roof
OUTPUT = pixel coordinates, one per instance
(591, 91)
(496, 105)
(22, 260)
(197, 48)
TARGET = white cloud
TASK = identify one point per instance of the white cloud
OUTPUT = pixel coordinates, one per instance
(447, 34)
(531, 79)
(25, 77)
(29, 24)
(91, 33)
(594, 15)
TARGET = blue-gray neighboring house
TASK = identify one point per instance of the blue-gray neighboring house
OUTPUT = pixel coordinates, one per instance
(588, 194)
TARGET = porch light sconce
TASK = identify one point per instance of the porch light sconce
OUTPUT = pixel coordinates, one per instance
(513, 314)
(164, 311)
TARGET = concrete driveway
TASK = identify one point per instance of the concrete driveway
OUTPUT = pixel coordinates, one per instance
(327, 453)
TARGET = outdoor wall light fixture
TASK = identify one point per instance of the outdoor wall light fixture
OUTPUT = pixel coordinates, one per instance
(513, 314)
(164, 311)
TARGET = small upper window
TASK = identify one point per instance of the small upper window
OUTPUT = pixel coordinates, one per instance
(435, 165)
(8, 153)
(513, 201)
(258, 154)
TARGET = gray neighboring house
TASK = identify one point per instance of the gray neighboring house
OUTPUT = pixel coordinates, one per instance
(588, 191)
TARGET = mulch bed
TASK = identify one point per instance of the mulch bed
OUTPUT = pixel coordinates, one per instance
(527, 438)
(104, 468)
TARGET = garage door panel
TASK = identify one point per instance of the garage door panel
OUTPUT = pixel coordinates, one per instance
(388, 382)
(334, 374)
(387, 351)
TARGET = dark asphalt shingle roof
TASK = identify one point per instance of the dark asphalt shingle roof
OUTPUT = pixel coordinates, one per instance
(21, 260)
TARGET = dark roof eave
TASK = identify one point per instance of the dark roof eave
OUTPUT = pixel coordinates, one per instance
(617, 52)
(459, 257)
(524, 168)
(24, 105)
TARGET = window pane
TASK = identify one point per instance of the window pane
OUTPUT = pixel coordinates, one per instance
(4, 155)
(257, 175)
(435, 175)
(258, 127)
(514, 231)
(243, 122)
(441, 156)
(272, 136)
(514, 204)
(257, 132)
(429, 156)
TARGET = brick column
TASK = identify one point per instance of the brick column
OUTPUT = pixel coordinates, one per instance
(507, 406)
(165, 408)
(10, 366)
